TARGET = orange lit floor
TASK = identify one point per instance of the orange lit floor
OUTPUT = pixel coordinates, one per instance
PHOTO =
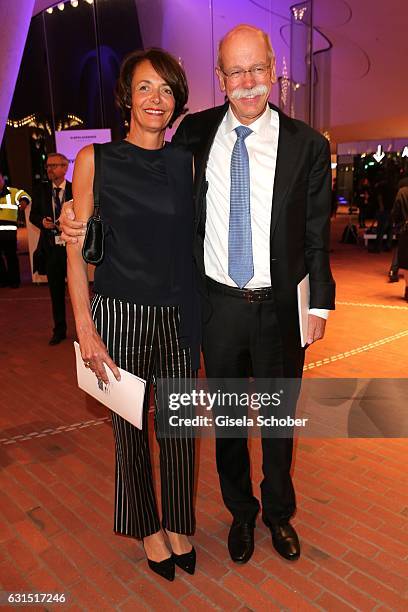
(56, 455)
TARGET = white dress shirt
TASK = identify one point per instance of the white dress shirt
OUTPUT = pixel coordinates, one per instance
(262, 147)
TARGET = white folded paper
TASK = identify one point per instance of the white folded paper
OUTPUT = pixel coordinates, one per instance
(125, 397)
(303, 296)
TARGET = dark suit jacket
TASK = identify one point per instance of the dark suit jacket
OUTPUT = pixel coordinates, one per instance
(300, 223)
(42, 207)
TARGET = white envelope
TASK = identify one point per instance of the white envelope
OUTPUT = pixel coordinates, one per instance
(303, 296)
(125, 397)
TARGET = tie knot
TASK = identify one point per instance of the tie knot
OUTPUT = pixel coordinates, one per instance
(57, 190)
(243, 131)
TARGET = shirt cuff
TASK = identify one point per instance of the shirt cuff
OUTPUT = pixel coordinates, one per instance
(319, 312)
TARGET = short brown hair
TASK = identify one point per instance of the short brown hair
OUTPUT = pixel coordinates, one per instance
(166, 66)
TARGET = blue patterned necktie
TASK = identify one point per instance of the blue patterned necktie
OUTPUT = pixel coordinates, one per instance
(240, 260)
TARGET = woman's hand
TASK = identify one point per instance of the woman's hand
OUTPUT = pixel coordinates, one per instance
(95, 356)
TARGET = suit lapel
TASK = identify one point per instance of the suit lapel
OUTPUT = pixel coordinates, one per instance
(289, 149)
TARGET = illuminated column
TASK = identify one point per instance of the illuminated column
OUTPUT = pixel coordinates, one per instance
(301, 58)
(15, 19)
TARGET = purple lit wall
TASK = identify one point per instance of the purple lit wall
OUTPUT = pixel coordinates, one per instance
(368, 91)
(16, 17)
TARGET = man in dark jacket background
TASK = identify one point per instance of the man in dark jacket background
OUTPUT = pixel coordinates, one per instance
(45, 211)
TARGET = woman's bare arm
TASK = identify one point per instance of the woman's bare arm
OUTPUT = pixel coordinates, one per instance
(92, 348)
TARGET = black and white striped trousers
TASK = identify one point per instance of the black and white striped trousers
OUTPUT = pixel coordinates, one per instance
(143, 341)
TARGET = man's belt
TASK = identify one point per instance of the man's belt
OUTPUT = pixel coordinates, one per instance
(249, 295)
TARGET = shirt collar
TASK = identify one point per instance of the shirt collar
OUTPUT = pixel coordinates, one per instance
(62, 186)
(259, 126)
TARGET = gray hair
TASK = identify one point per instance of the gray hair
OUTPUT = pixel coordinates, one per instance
(245, 26)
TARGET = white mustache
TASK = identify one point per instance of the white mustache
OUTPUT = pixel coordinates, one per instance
(258, 90)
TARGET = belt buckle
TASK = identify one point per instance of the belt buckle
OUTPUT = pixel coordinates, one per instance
(249, 296)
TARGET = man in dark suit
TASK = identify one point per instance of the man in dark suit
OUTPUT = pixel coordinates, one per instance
(250, 270)
(262, 219)
(45, 211)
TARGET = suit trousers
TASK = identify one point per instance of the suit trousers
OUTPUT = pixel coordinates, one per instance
(56, 273)
(9, 273)
(242, 339)
(143, 340)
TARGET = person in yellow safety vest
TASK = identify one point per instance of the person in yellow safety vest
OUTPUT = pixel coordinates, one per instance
(11, 199)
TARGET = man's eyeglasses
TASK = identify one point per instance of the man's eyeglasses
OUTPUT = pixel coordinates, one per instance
(52, 166)
(258, 72)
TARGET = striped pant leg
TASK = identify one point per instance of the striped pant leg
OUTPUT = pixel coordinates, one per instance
(177, 454)
(128, 330)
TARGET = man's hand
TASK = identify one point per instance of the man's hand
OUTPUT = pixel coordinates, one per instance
(70, 228)
(315, 328)
(48, 223)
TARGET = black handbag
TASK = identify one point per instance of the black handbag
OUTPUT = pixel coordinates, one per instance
(93, 247)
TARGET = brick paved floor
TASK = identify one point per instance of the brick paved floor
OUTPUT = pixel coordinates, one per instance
(56, 455)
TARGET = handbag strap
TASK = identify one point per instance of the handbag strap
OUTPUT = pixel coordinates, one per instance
(97, 178)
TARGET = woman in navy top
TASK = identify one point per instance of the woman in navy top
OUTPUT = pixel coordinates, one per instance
(143, 317)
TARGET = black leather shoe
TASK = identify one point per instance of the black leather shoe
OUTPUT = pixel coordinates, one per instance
(393, 278)
(56, 339)
(187, 561)
(285, 541)
(241, 541)
(165, 568)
